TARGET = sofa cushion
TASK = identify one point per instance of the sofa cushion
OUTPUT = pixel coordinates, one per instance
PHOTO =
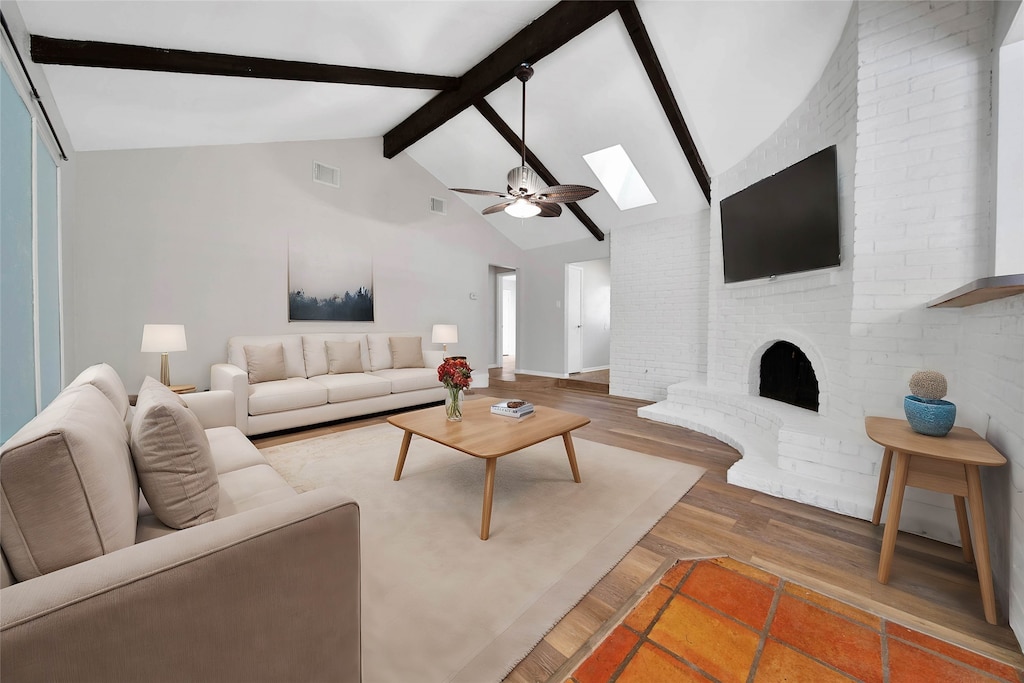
(410, 379)
(406, 352)
(314, 351)
(68, 491)
(250, 488)
(240, 490)
(343, 357)
(353, 386)
(265, 363)
(106, 379)
(173, 458)
(379, 345)
(231, 450)
(285, 394)
(294, 364)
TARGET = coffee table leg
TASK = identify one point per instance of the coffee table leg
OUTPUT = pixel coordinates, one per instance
(571, 452)
(401, 455)
(485, 523)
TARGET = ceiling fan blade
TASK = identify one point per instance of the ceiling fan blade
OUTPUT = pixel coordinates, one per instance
(487, 193)
(564, 193)
(497, 207)
(549, 210)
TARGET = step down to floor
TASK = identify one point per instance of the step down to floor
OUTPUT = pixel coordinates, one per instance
(583, 385)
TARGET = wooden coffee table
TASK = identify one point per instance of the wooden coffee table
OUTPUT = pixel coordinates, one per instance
(488, 436)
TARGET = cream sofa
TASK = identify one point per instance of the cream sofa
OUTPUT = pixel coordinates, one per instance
(310, 394)
(94, 587)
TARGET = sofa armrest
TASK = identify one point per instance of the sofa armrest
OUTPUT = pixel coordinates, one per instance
(213, 408)
(269, 594)
(236, 380)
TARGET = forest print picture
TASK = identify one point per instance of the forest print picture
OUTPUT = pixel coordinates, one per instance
(329, 282)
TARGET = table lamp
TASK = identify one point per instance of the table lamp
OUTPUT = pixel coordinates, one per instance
(445, 335)
(163, 339)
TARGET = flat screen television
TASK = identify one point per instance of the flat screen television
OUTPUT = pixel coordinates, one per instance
(786, 223)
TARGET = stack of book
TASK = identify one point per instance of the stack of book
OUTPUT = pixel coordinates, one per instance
(513, 408)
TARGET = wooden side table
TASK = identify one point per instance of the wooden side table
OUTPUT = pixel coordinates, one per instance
(183, 388)
(947, 464)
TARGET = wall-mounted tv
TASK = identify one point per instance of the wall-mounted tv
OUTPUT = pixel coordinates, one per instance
(786, 223)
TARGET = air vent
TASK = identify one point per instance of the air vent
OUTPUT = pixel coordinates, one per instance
(438, 206)
(326, 175)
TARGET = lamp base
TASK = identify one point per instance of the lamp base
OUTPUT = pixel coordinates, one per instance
(165, 370)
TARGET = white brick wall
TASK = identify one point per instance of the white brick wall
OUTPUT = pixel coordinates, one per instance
(906, 99)
(658, 305)
(991, 371)
(922, 213)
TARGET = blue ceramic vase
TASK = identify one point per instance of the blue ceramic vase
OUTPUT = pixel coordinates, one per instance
(932, 417)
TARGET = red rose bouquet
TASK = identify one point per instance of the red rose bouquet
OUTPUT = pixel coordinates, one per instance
(456, 375)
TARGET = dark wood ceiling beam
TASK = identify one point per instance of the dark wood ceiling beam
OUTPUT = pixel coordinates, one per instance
(645, 49)
(544, 35)
(531, 159)
(91, 53)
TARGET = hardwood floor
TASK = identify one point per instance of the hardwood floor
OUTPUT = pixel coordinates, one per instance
(931, 588)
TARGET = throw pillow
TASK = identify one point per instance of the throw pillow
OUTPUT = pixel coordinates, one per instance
(406, 352)
(265, 363)
(343, 357)
(173, 458)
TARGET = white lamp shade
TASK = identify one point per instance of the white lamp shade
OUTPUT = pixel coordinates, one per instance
(445, 334)
(521, 208)
(163, 338)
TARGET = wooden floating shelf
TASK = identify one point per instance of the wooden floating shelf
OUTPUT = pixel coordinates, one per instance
(980, 291)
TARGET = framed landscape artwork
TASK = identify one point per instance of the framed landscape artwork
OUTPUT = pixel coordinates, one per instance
(329, 282)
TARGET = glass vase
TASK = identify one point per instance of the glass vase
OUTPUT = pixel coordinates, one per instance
(453, 404)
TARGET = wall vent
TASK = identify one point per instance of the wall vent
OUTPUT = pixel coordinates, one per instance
(326, 175)
(438, 206)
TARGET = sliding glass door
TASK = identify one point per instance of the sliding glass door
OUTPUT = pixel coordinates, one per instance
(30, 314)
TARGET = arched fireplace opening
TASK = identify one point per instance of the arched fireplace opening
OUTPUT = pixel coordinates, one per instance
(788, 376)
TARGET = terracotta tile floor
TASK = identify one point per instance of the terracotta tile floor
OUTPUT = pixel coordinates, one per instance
(722, 620)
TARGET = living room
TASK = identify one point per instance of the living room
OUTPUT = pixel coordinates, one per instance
(200, 235)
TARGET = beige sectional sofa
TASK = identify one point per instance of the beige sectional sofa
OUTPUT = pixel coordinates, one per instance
(251, 581)
(309, 393)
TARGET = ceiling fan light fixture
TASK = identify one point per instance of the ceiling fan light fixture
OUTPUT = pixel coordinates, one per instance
(521, 208)
(523, 179)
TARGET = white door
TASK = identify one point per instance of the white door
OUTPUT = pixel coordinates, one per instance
(574, 319)
(508, 321)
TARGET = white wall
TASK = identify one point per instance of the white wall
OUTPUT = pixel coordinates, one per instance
(199, 236)
(659, 305)
(540, 279)
(991, 358)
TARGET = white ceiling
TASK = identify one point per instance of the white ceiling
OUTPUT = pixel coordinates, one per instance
(737, 69)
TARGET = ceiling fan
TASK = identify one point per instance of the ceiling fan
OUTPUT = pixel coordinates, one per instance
(526, 197)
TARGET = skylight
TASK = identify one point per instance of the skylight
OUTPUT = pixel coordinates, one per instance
(621, 180)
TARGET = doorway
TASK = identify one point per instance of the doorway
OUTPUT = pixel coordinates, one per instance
(573, 319)
(588, 318)
(505, 321)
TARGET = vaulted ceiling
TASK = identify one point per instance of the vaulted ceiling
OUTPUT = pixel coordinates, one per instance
(734, 72)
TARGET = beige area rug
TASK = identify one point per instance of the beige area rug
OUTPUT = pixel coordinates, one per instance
(439, 604)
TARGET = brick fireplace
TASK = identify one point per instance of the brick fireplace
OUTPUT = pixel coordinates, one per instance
(914, 220)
